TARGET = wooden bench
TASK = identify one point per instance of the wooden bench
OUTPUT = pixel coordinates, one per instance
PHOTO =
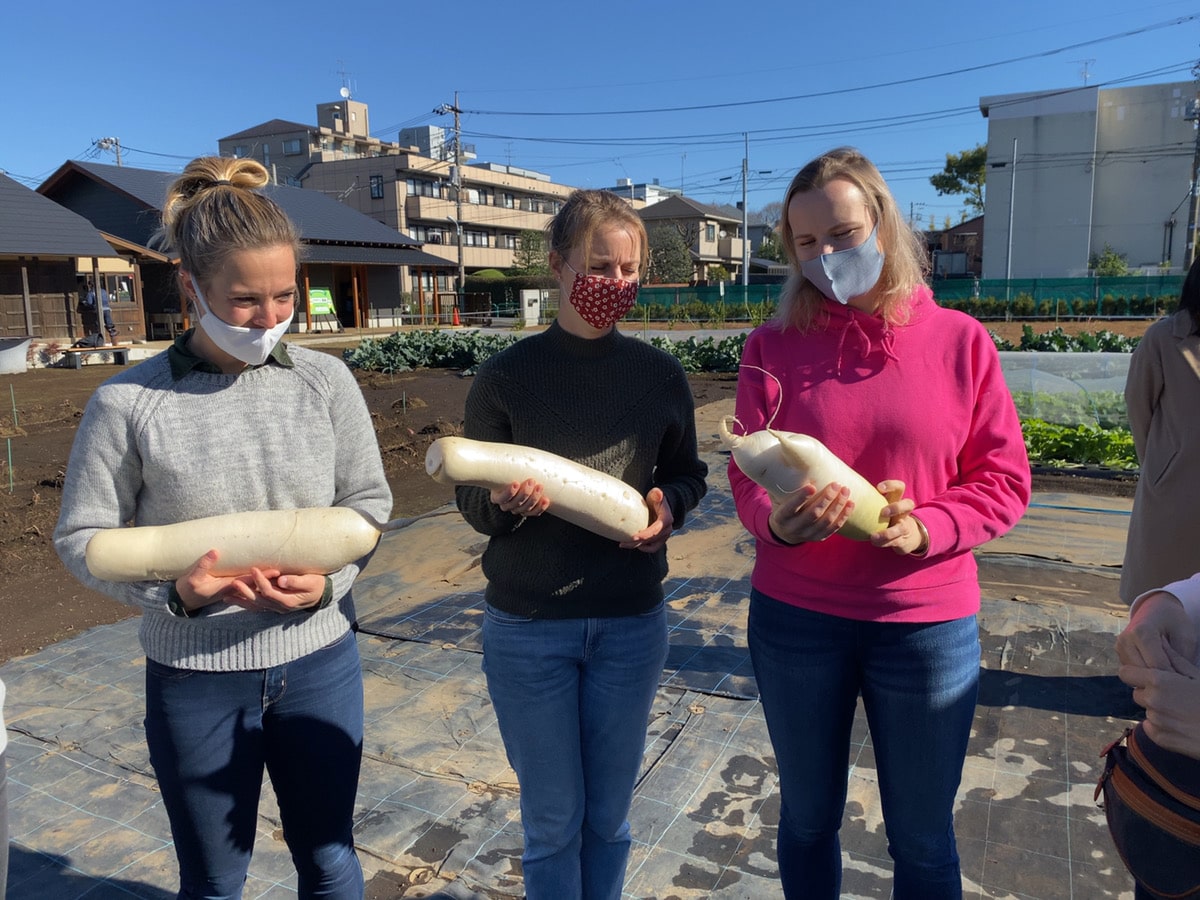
(74, 355)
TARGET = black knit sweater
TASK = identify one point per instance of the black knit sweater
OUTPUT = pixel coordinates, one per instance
(613, 403)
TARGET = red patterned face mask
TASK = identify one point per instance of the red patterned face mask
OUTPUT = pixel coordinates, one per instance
(601, 301)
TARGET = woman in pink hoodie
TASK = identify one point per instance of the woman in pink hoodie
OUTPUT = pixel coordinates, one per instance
(912, 397)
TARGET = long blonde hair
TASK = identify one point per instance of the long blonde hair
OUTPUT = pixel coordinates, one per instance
(904, 263)
(585, 213)
(215, 208)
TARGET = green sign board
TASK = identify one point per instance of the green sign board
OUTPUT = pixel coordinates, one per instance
(320, 302)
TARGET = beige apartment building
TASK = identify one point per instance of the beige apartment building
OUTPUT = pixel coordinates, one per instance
(287, 148)
(415, 194)
(470, 214)
(409, 185)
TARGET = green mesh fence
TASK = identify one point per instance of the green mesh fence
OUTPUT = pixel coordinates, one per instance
(1136, 296)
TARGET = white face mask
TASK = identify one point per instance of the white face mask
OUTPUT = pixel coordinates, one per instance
(846, 274)
(250, 345)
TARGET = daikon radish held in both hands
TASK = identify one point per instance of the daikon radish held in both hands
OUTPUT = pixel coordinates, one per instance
(295, 541)
(783, 461)
(580, 495)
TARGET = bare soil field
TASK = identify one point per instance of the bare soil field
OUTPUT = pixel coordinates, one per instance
(40, 603)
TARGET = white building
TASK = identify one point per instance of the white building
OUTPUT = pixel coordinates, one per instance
(1093, 167)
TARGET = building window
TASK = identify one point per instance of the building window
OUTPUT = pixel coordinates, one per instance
(476, 239)
(292, 147)
(267, 155)
(376, 187)
(427, 235)
(507, 200)
(241, 151)
(710, 233)
(418, 187)
(508, 241)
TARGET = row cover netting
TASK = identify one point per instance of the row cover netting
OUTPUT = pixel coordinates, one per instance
(1068, 388)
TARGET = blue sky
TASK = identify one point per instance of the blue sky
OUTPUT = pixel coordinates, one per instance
(643, 90)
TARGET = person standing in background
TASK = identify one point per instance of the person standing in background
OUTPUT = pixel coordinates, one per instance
(89, 301)
(1162, 395)
(1159, 652)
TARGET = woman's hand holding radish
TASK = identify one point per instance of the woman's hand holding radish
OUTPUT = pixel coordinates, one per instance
(259, 589)
(654, 535)
(904, 534)
(286, 593)
(524, 498)
(811, 515)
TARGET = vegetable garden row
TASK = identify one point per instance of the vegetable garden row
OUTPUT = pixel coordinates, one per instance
(1061, 429)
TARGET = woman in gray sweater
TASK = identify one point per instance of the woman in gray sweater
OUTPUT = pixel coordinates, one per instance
(258, 671)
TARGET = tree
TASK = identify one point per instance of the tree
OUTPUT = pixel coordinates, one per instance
(530, 257)
(965, 173)
(718, 272)
(772, 248)
(768, 215)
(1108, 263)
(670, 259)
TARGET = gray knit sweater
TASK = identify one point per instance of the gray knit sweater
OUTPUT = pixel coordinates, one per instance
(154, 449)
(614, 403)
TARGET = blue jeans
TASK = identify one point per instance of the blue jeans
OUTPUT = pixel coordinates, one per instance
(572, 699)
(212, 733)
(4, 822)
(919, 684)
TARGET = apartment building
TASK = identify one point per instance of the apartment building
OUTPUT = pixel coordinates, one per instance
(649, 193)
(1074, 170)
(469, 214)
(287, 148)
(476, 228)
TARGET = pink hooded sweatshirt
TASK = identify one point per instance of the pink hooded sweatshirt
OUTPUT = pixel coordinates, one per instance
(924, 402)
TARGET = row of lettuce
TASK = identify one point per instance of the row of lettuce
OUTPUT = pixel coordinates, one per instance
(1061, 429)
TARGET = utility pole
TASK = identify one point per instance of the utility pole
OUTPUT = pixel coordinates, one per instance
(1189, 251)
(745, 217)
(1012, 194)
(456, 183)
(111, 143)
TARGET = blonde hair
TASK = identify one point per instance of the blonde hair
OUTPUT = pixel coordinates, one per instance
(904, 261)
(215, 208)
(587, 212)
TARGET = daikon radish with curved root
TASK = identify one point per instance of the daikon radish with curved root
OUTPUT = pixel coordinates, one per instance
(760, 457)
(578, 494)
(821, 466)
(295, 541)
(781, 462)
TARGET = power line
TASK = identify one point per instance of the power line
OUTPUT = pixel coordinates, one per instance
(916, 79)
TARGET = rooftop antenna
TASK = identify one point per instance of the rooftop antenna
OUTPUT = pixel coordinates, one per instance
(1084, 73)
(345, 91)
